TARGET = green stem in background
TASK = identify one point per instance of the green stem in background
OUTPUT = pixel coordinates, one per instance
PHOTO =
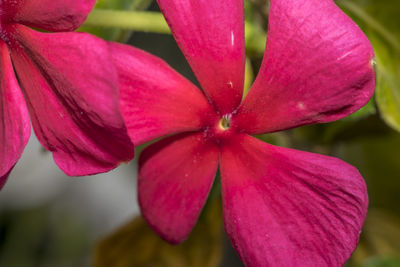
(154, 22)
(255, 38)
(128, 20)
(372, 22)
(140, 4)
(248, 77)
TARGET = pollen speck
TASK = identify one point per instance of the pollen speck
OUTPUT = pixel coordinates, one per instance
(301, 106)
(372, 62)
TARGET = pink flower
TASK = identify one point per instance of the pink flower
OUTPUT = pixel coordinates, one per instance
(68, 84)
(281, 207)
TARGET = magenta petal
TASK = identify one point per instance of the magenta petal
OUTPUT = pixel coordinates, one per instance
(317, 68)
(211, 36)
(72, 95)
(284, 207)
(155, 100)
(175, 178)
(51, 15)
(15, 127)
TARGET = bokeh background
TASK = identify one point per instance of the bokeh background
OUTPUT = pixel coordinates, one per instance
(49, 219)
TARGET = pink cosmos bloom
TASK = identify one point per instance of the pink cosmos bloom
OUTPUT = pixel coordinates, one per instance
(281, 207)
(69, 88)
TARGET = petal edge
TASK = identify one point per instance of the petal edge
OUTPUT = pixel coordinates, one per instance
(15, 128)
(317, 68)
(175, 177)
(284, 207)
(155, 100)
(51, 15)
(73, 101)
(211, 36)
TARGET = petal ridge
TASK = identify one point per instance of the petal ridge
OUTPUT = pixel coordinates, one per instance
(175, 177)
(51, 15)
(73, 101)
(15, 127)
(317, 68)
(164, 103)
(284, 207)
(211, 36)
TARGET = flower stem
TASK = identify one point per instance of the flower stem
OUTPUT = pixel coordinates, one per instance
(154, 22)
(128, 20)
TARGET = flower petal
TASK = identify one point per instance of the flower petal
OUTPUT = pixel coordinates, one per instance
(72, 94)
(175, 178)
(51, 15)
(284, 207)
(155, 100)
(211, 36)
(317, 68)
(15, 127)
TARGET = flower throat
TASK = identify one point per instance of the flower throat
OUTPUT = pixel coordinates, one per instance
(225, 122)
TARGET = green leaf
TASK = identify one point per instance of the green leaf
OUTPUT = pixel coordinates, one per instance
(383, 262)
(378, 160)
(382, 232)
(379, 20)
(365, 111)
(136, 245)
(123, 4)
(388, 81)
(380, 241)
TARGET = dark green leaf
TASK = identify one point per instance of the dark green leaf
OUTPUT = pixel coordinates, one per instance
(379, 20)
(136, 245)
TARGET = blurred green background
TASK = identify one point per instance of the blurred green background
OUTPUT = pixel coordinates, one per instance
(48, 219)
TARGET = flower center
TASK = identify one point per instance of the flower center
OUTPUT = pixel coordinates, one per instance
(222, 128)
(225, 122)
